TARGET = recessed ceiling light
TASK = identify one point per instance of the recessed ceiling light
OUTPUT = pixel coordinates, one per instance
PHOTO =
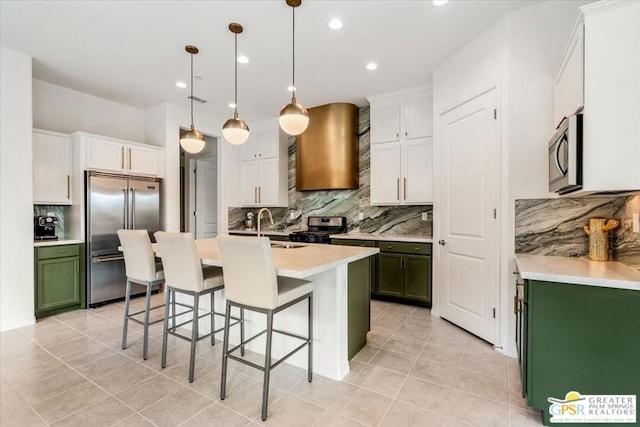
(291, 89)
(439, 2)
(181, 85)
(232, 105)
(371, 66)
(335, 24)
(243, 59)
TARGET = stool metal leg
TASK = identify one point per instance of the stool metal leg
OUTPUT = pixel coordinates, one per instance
(241, 330)
(127, 298)
(310, 349)
(194, 336)
(213, 318)
(225, 347)
(167, 299)
(267, 365)
(145, 345)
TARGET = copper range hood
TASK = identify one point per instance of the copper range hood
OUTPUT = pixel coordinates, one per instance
(327, 152)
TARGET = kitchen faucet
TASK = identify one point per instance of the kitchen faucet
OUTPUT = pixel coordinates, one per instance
(260, 218)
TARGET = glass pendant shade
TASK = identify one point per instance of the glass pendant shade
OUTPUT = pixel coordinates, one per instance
(192, 141)
(294, 118)
(235, 131)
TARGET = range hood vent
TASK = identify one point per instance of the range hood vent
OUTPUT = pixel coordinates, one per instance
(327, 152)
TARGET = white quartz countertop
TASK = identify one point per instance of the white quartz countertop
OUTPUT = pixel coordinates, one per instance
(383, 237)
(579, 271)
(56, 242)
(267, 232)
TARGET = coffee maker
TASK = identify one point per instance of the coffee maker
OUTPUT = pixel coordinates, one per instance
(44, 227)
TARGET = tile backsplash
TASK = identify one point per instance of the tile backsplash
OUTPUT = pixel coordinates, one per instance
(390, 220)
(554, 226)
(58, 211)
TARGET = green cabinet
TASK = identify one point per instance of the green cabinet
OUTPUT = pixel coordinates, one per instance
(59, 279)
(404, 272)
(578, 338)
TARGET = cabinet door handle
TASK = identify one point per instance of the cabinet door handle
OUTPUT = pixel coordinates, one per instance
(60, 251)
(406, 133)
(121, 157)
(130, 159)
(389, 246)
(68, 187)
(398, 188)
(404, 187)
(259, 194)
(78, 265)
(255, 194)
(397, 135)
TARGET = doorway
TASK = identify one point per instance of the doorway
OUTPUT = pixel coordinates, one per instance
(199, 191)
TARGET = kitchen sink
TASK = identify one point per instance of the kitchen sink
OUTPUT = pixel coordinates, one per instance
(286, 245)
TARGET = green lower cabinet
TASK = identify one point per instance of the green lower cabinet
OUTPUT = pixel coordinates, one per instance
(404, 272)
(358, 300)
(580, 338)
(59, 274)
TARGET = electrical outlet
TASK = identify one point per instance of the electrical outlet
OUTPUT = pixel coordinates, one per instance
(425, 216)
(360, 216)
(636, 222)
(292, 215)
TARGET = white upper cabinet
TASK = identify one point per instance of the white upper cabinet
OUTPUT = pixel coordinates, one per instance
(611, 121)
(263, 167)
(114, 155)
(569, 81)
(52, 168)
(402, 148)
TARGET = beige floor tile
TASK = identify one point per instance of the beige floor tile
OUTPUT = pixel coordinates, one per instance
(361, 405)
(408, 347)
(71, 346)
(421, 313)
(247, 399)
(493, 366)
(90, 324)
(31, 370)
(452, 422)
(72, 315)
(104, 413)
(394, 318)
(290, 410)
(108, 365)
(14, 411)
(38, 390)
(355, 368)
(484, 386)
(383, 328)
(456, 342)
(394, 361)
(426, 395)
(148, 392)
(70, 401)
(135, 420)
(92, 352)
(513, 370)
(209, 384)
(14, 344)
(217, 415)
(480, 347)
(478, 411)
(444, 355)
(434, 372)
(376, 340)
(332, 419)
(401, 308)
(119, 380)
(525, 418)
(322, 391)
(409, 331)
(180, 372)
(403, 415)
(379, 380)
(176, 408)
(365, 354)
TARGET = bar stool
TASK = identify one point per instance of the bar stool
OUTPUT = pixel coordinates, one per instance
(140, 266)
(257, 288)
(185, 275)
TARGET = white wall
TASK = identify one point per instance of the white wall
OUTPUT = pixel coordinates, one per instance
(16, 195)
(65, 110)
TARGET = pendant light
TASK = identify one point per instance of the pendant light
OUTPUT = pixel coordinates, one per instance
(294, 118)
(235, 130)
(192, 141)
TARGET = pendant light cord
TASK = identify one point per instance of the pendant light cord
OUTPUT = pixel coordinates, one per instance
(235, 61)
(191, 91)
(293, 49)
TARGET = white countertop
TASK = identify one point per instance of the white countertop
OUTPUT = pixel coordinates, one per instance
(579, 271)
(383, 237)
(267, 232)
(37, 244)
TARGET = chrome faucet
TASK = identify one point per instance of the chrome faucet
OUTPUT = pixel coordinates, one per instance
(260, 218)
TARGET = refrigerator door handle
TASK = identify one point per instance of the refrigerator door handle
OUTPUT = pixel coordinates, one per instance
(133, 208)
(125, 215)
(107, 259)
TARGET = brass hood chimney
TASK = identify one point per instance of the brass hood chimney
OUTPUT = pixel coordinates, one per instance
(327, 152)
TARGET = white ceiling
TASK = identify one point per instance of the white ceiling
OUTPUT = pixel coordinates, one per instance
(132, 52)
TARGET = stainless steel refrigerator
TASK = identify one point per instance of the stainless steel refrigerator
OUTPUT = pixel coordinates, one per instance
(114, 202)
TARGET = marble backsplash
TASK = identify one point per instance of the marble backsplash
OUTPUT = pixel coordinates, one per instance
(554, 226)
(58, 211)
(390, 220)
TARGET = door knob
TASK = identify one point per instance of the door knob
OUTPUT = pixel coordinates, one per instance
(442, 242)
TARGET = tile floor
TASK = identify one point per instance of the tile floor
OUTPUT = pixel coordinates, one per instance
(416, 370)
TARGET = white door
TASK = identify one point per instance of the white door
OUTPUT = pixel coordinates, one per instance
(469, 162)
(206, 200)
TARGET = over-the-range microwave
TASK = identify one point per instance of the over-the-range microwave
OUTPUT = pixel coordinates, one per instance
(565, 156)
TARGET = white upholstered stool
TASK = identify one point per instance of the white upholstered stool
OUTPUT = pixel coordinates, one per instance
(140, 265)
(251, 284)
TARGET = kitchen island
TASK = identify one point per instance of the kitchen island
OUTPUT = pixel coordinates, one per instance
(328, 266)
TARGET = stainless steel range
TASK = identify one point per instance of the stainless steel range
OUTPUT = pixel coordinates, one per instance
(320, 228)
